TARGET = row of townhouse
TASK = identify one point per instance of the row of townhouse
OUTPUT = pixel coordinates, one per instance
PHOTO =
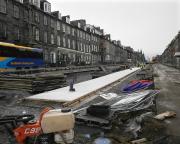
(171, 55)
(64, 42)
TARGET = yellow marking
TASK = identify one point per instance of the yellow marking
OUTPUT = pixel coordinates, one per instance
(14, 46)
(3, 58)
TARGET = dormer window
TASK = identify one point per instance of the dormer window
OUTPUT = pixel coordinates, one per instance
(59, 16)
(68, 20)
(47, 7)
(85, 28)
(79, 25)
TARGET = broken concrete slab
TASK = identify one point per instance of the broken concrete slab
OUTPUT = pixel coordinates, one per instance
(139, 141)
(167, 114)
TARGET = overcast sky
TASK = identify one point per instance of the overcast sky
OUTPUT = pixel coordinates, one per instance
(147, 25)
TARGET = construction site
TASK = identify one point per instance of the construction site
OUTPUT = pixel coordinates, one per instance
(89, 72)
(105, 105)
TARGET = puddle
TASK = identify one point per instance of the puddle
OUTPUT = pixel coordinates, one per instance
(102, 140)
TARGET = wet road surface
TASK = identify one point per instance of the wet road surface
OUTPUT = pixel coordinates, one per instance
(168, 81)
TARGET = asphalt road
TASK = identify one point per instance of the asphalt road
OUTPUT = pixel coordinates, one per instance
(168, 81)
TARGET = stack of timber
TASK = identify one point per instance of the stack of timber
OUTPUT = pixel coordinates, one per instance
(33, 83)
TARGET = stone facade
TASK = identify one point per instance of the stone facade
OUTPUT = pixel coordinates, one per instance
(64, 42)
(171, 55)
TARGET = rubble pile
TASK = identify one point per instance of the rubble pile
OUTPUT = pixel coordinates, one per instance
(102, 114)
(146, 73)
(130, 117)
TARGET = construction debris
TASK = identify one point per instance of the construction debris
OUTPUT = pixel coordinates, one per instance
(33, 83)
(92, 121)
(108, 95)
(134, 125)
(98, 110)
(146, 73)
(139, 141)
(102, 113)
(124, 118)
(132, 102)
(167, 114)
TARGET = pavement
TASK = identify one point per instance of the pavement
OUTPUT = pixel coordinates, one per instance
(167, 79)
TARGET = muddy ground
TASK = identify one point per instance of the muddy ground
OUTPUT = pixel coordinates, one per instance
(156, 132)
(167, 79)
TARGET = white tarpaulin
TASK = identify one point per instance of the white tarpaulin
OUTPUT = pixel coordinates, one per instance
(82, 89)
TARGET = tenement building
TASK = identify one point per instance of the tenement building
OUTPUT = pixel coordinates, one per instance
(64, 42)
(171, 55)
(112, 51)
